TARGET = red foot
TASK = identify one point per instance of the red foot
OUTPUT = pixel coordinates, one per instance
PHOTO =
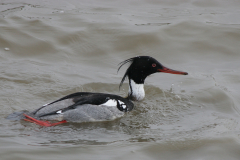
(42, 123)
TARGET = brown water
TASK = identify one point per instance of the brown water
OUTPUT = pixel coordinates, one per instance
(52, 48)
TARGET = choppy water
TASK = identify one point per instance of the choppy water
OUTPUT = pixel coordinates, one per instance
(49, 49)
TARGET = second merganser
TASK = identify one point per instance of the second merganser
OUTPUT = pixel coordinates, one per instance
(89, 107)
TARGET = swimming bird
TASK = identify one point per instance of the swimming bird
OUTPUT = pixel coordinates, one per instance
(89, 107)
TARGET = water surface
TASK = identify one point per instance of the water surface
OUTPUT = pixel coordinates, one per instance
(49, 49)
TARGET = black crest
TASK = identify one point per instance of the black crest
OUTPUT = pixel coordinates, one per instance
(130, 60)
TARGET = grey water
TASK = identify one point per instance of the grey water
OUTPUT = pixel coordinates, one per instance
(49, 49)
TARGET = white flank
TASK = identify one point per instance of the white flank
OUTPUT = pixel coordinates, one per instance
(122, 104)
(110, 102)
(138, 92)
(46, 104)
(59, 112)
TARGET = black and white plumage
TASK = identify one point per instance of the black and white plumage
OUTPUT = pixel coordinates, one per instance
(87, 107)
(84, 107)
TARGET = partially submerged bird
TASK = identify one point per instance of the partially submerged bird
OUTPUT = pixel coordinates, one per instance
(87, 106)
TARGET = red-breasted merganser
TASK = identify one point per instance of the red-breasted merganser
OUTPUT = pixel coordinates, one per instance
(87, 106)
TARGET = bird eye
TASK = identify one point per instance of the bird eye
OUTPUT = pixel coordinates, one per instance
(153, 65)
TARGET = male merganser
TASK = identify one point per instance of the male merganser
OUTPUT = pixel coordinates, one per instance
(86, 106)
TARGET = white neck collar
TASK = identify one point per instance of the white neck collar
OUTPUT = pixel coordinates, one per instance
(136, 91)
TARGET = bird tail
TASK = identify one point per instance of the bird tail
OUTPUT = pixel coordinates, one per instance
(17, 116)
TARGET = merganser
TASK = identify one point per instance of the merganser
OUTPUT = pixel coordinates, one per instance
(89, 107)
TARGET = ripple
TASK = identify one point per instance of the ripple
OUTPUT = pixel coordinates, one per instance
(153, 24)
(158, 110)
